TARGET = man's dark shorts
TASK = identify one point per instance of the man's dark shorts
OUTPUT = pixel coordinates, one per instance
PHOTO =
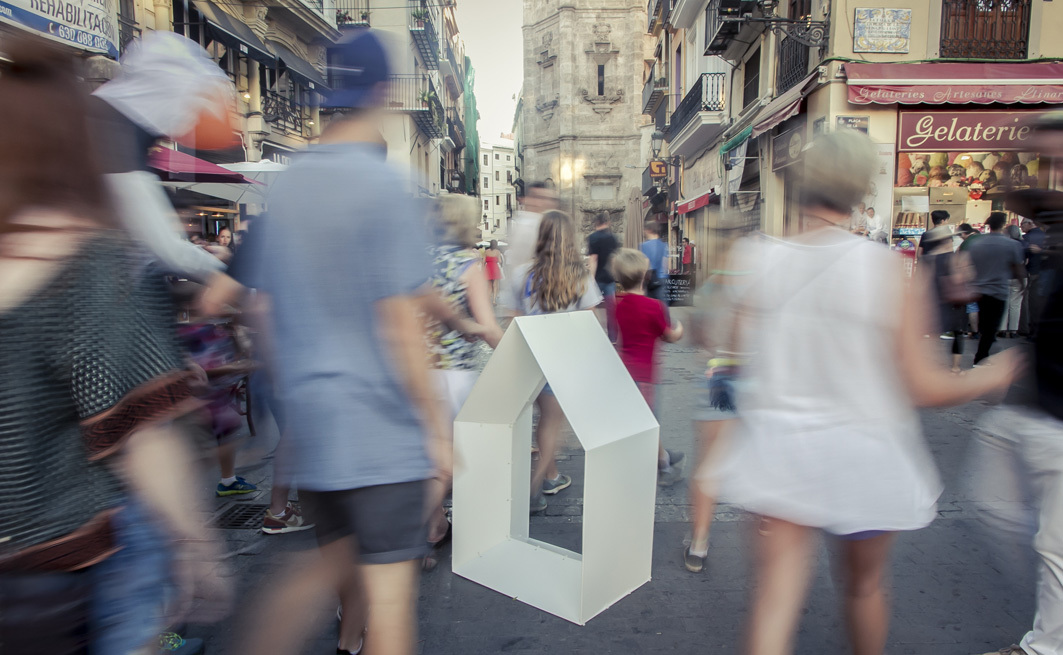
(387, 520)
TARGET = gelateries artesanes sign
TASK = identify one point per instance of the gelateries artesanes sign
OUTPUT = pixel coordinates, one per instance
(935, 131)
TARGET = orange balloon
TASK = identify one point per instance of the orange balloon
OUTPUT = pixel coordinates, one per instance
(213, 132)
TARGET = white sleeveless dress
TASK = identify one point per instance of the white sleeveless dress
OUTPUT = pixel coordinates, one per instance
(827, 436)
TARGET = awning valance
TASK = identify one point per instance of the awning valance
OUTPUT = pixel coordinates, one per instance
(234, 33)
(736, 140)
(695, 204)
(174, 166)
(955, 83)
(785, 106)
(300, 69)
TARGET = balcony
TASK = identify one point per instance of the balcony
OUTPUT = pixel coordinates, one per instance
(284, 114)
(700, 117)
(455, 128)
(656, 21)
(985, 29)
(653, 91)
(352, 13)
(416, 95)
(452, 72)
(127, 31)
(723, 24)
(793, 65)
(424, 33)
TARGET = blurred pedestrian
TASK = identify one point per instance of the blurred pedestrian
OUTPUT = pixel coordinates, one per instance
(938, 217)
(493, 266)
(642, 324)
(554, 281)
(367, 431)
(524, 230)
(1022, 442)
(968, 237)
(1009, 323)
(828, 437)
(458, 275)
(997, 261)
(1033, 241)
(688, 256)
(225, 238)
(950, 287)
(657, 252)
(601, 244)
(97, 510)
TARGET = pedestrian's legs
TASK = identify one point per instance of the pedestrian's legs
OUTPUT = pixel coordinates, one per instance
(704, 502)
(990, 310)
(392, 593)
(1036, 301)
(355, 606)
(547, 434)
(611, 327)
(784, 566)
(1041, 444)
(866, 603)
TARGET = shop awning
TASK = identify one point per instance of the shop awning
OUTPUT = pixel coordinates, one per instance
(955, 83)
(174, 166)
(300, 69)
(695, 204)
(736, 140)
(785, 106)
(234, 33)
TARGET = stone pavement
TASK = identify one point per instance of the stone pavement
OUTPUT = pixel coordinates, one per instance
(955, 588)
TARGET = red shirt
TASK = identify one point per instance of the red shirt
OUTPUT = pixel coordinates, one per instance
(642, 322)
(688, 254)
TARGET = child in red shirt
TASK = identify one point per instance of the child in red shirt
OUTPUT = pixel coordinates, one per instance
(643, 322)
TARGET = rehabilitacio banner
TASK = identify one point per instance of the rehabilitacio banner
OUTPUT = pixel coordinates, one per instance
(88, 24)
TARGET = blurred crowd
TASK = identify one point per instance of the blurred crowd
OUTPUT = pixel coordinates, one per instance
(129, 352)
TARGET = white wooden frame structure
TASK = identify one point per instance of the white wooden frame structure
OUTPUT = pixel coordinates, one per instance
(492, 441)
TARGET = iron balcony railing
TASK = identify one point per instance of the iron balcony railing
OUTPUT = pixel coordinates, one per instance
(417, 96)
(282, 112)
(352, 13)
(707, 94)
(653, 91)
(793, 64)
(652, 11)
(985, 29)
(455, 127)
(424, 33)
(127, 31)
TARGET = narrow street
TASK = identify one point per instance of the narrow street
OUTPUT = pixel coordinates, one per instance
(956, 588)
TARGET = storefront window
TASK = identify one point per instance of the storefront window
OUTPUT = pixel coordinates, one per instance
(995, 171)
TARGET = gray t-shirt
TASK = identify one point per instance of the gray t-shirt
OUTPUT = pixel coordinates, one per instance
(995, 257)
(327, 255)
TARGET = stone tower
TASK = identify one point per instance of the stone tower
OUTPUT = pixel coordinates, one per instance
(583, 67)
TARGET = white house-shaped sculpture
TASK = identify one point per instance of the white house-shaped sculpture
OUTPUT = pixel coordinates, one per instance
(492, 441)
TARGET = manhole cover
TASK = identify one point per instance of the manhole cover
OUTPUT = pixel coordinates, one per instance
(242, 517)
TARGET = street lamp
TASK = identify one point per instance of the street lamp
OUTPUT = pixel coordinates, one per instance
(657, 142)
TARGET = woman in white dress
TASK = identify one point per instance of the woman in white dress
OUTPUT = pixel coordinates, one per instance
(829, 438)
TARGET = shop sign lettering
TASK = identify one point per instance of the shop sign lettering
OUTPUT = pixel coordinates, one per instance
(982, 130)
(87, 24)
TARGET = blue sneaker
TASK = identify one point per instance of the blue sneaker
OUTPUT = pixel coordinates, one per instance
(240, 486)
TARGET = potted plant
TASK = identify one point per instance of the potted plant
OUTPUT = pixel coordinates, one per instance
(342, 17)
(420, 16)
(426, 97)
(365, 17)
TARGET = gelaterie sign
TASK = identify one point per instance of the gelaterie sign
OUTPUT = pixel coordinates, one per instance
(933, 131)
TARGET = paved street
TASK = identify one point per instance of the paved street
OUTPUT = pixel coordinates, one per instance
(955, 590)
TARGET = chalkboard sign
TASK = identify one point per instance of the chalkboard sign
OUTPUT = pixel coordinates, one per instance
(680, 290)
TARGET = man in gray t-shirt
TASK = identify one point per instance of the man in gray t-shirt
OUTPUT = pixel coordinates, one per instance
(997, 260)
(351, 369)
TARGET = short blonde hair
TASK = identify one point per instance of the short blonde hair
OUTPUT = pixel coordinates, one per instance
(457, 220)
(629, 267)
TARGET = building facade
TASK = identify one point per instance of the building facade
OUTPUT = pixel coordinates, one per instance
(737, 88)
(498, 191)
(581, 128)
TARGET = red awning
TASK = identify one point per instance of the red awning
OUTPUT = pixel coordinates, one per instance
(953, 83)
(174, 166)
(696, 203)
